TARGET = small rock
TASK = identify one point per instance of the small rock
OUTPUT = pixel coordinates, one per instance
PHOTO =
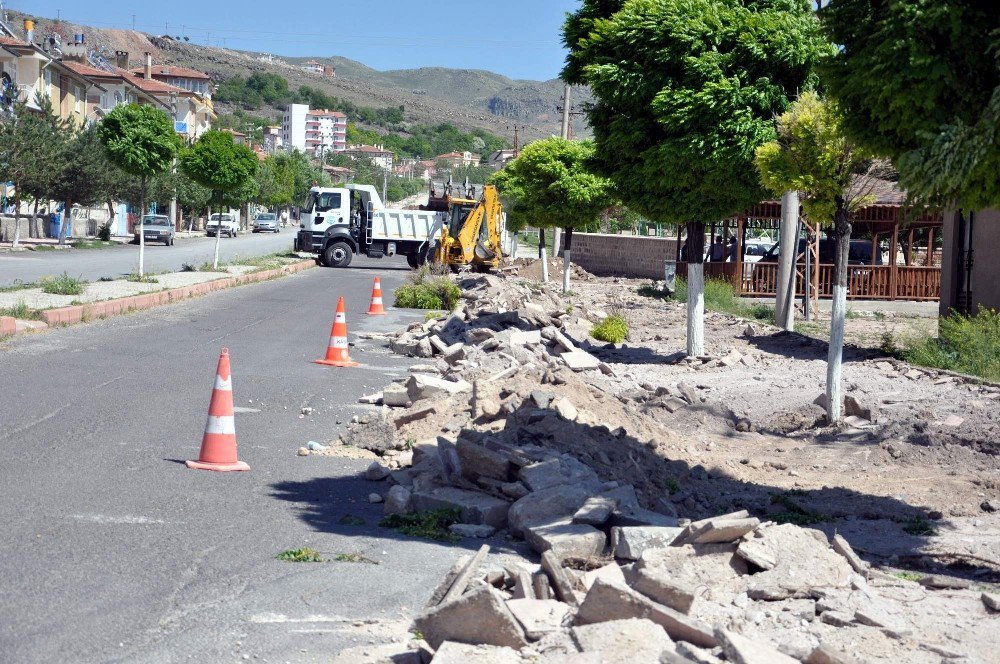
(376, 472)
(397, 501)
(991, 505)
(303, 451)
(471, 530)
(991, 601)
(942, 582)
(374, 498)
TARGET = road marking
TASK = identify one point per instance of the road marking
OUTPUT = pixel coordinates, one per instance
(241, 409)
(125, 519)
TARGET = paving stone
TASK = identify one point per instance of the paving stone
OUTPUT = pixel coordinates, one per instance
(803, 558)
(607, 600)
(521, 338)
(596, 510)
(396, 395)
(611, 572)
(757, 554)
(451, 652)
(475, 507)
(478, 617)
(628, 641)
(566, 409)
(566, 539)
(837, 618)
(630, 542)
(742, 650)
(722, 530)
(539, 617)
(675, 575)
(991, 601)
(939, 581)
(878, 614)
(546, 506)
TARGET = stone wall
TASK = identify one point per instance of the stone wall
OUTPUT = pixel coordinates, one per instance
(632, 256)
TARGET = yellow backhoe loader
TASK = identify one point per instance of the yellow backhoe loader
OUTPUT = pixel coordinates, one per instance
(470, 231)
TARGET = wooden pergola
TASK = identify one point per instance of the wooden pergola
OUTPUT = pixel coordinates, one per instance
(918, 278)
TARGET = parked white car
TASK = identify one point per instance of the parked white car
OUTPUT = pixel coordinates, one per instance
(226, 224)
(756, 249)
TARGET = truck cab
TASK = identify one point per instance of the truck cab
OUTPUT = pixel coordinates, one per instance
(338, 222)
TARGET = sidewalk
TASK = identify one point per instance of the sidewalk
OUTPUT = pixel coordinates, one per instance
(911, 308)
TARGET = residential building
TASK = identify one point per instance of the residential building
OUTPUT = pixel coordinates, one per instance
(272, 139)
(376, 153)
(191, 110)
(184, 78)
(313, 131)
(458, 159)
(970, 273)
(115, 89)
(500, 158)
(339, 174)
(312, 67)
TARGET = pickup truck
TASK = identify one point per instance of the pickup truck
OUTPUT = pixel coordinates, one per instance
(339, 222)
(227, 224)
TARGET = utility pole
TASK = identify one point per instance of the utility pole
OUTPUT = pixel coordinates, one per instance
(133, 22)
(565, 112)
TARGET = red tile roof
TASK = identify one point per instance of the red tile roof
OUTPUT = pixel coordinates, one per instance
(172, 71)
(87, 70)
(150, 85)
(12, 41)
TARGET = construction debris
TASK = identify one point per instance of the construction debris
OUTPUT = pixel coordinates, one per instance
(518, 423)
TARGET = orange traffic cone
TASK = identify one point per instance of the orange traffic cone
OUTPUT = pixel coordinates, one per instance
(218, 447)
(336, 352)
(376, 308)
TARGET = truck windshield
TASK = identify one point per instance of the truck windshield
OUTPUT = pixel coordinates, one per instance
(323, 201)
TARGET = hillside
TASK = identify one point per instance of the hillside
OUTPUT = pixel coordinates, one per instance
(466, 98)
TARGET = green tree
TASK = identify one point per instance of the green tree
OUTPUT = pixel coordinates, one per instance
(217, 163)
(549, 186)
(85, 175)
(812, 155)
(276, 181)
(141, 141)
(919, 82)
(686, 90)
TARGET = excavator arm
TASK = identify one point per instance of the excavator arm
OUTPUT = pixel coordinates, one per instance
(478, 239)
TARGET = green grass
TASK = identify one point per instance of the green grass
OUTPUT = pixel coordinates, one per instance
(966, 344)
(18, 285)
(719, 296)
(303, 555)
(428, 292)
(352, 558)
(63, 285)
(93, 244)
(908, 576)
(22, 311)
(45, 247)
(613, 329)
(431, 315)
(918, 526)
(793, 512)
(351, 520)
(144, 279)
(429, 525)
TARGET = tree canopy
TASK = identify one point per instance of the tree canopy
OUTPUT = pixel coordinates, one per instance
(919, 82)
(686, 90)
(548, 185)
(812, 155)
(216, 162)
(139, 139)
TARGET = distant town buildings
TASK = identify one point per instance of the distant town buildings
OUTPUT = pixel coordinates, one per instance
(314, 67)
(315, 132)
(458, 159)
(376, 153)
(500, 158)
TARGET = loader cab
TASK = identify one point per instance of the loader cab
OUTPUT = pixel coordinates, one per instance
(458, 213)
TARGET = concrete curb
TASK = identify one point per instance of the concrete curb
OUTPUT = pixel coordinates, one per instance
(8, 326)
(93, 310)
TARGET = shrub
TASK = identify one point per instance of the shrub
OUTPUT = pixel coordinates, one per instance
(425, 292)
(613, 329)
(430, 525)
(63, 285)
(104, 232)
(143, 279)
(967, 344)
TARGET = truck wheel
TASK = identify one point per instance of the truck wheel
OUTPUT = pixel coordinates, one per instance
(413, 261)
(338, 254)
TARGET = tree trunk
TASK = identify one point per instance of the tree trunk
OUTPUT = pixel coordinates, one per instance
(788, 249)
(34, 220)
(218, 235)
(834, 360)
(111, 216)
(542, 254)
(17, 217)
(67, 215)
(567, 245)
(515, 240)
(142, 235)
(696, 289)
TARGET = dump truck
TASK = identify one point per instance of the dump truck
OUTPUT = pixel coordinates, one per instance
(339, 222)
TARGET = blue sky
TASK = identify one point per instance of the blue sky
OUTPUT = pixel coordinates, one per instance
(517, 38)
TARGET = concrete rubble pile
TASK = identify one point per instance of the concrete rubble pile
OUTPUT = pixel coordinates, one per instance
(505, 425)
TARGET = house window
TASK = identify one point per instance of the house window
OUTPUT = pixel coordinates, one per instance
(78, 98)
(47, 83)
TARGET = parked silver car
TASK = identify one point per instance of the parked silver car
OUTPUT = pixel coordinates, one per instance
(155, 228)
(266, 221)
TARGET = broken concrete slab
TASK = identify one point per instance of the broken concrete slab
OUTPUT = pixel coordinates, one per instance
(607, 600)
(580, 360)
(562, 470)
(451, 652)
(479, 461)
(742, 650)
(396, 395)
(629, 542)
(611, 572)
(471, 530)
(627, 641)
(561, 583)
(475, 507)
(675, 575)
(425, 386)
(566, 409)
(825, 653)
(539, 617)
(566, 539)
(414, 416)
(479, 617)
(521, 338)
(718, 531)
(803, 559)
(546, 506)
(843, 547)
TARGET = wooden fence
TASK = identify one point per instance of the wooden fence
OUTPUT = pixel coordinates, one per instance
(864, 282)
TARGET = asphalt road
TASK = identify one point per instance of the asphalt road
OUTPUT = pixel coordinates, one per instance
(114, 551)
(92, 264)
